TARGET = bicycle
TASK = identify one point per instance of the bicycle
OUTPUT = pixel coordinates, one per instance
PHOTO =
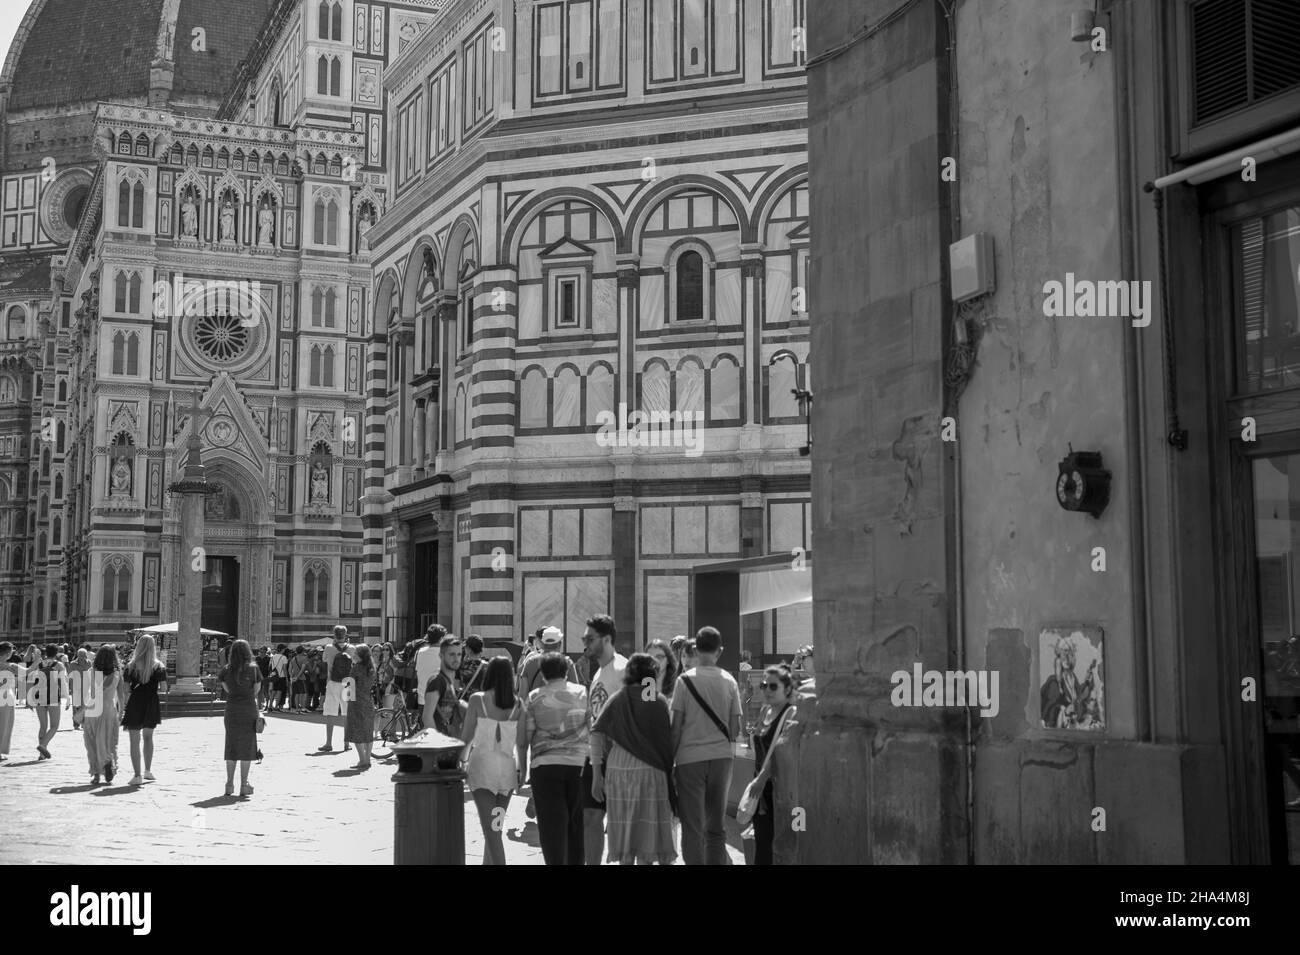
(393, 724)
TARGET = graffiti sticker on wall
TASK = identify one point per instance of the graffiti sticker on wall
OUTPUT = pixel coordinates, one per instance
(1071, 678)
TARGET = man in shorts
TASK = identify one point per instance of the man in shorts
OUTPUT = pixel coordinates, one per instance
(335, 708)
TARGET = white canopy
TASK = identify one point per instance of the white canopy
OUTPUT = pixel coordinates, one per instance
(779, 586)
(163, 628)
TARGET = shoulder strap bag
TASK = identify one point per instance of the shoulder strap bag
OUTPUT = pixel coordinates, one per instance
(707, 709)
(747, 808)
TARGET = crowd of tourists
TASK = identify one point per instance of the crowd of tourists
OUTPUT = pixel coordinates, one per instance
(107, 689)
(628, 759)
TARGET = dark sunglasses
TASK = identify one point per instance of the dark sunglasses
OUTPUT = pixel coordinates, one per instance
(771, 686)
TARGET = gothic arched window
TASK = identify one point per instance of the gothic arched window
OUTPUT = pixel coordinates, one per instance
(690, 287)
(117, 584)
(314, 374)
(327, 367)
(315, 590)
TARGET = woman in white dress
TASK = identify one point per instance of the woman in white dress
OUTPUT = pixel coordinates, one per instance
(491, 727)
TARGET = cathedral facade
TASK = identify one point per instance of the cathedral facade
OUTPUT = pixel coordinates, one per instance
(487, 312)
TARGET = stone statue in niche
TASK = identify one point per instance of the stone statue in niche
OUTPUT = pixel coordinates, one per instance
(266, 226)
(190, 217)
(363, 227)
(320, 484)
(121, 477)
(227, 221)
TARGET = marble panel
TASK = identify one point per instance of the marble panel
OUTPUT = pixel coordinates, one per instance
(534, 532)
(532, 400)
(652, 302)
(530, 311)
(584, 598)
(777, 298)
(724, 529)
(690, 389)
(565, 538)
(604, 306)
(785, 527)
(567, 392)
(688, 530)
(543, 602)
(597, 532)
(667, 602)
(600, 393)
(724, 392)
(656, 530)
(726, 296)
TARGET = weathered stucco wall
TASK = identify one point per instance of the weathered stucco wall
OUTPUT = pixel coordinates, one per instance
(1037, 146)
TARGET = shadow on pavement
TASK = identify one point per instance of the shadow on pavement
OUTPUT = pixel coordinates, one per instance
(117, 790)
(343, 773)
(30, 762)
(215, 802)
(68, 790)
(527, 835)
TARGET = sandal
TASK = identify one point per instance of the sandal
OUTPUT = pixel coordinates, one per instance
(230, 789)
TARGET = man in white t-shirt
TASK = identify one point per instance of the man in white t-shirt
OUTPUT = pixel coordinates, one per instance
(428, 660)
(607, 679)
(335, 707)
(706, 719)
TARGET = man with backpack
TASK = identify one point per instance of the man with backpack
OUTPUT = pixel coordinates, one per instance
(530, 677)
(338, 660)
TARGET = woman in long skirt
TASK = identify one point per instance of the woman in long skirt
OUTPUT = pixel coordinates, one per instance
(102, 715)
(240, 678)
(360, 728)
(11, 688)
(636, 784)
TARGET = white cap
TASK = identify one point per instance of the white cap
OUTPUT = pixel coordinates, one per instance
(552, 637)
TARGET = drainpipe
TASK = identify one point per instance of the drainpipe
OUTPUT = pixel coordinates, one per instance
(1133, 445)
(949, 10)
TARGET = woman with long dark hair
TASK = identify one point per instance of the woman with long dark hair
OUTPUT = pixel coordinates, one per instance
(360, 727)
(491, 732)
(665, 666)
(103, 713)
(634, 740)
(240, 678)
(778, 697)
(146, 677)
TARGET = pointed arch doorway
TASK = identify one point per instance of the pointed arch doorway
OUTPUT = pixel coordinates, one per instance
(238, 541)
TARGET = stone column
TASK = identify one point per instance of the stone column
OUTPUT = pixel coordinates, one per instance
(193, 489)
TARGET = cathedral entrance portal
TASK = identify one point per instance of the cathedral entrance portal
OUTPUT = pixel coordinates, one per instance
(221, 595)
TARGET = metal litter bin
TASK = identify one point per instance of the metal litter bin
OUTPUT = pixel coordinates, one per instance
(429, 801)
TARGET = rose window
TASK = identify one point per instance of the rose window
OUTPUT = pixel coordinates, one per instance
(221, 337)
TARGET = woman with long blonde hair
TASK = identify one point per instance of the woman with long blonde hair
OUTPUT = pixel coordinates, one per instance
(145, 677)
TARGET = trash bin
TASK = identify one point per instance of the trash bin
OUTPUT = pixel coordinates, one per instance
(429, 801)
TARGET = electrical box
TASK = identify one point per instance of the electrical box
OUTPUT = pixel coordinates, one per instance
(970, 267)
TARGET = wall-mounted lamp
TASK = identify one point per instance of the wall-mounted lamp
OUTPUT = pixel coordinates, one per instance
(802, 395)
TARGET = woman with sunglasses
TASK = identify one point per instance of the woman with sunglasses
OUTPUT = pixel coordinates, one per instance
(778, 706)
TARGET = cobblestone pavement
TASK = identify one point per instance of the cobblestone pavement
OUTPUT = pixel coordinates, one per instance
(309, 808)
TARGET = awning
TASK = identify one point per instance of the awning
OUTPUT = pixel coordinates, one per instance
(1230, 162)
(166, 628)
(770, 588)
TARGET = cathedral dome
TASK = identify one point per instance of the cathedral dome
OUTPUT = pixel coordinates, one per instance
(83, 51)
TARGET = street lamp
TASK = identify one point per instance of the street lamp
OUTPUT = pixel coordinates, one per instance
(802, 395)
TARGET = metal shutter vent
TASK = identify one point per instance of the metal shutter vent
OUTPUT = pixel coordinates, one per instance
(1243, 51)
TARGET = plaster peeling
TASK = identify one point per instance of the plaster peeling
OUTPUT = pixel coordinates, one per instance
(909, 449)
